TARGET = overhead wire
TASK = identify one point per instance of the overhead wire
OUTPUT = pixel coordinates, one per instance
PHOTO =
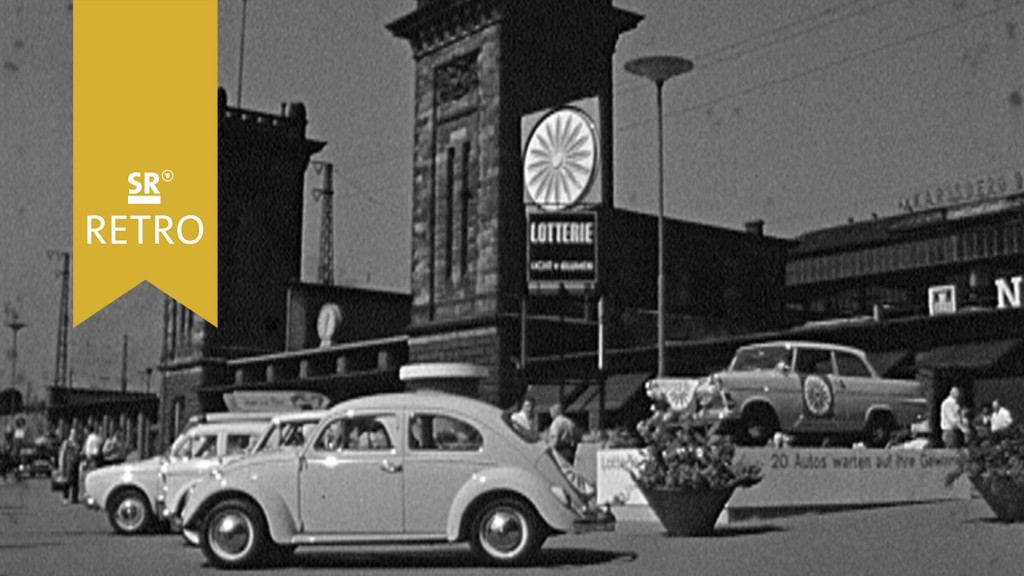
(700, 58)
(822, 68)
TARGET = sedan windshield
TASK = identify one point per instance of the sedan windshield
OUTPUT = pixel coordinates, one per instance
(761, 358)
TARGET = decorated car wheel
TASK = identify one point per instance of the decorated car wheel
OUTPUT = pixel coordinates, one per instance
(818, 398)
(234, 535)
(506, 531)
(129, 512)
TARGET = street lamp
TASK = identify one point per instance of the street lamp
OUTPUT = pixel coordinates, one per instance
(241, 54)
(658, 69)
(15, 325)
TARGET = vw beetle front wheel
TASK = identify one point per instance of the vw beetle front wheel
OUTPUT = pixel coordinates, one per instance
(506, 531)
(234, 535)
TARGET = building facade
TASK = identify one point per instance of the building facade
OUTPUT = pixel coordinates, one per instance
(262, 160)
(938, 287)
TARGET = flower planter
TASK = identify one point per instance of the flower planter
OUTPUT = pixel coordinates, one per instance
(1004, 497)
(686, 512)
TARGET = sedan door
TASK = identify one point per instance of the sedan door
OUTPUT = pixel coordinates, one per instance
(351, 479)
(859, 390)
(818, 390)
(203, 454)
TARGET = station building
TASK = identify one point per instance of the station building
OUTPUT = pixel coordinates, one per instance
(552, 290)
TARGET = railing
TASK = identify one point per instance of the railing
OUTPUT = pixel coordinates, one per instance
(380, 355)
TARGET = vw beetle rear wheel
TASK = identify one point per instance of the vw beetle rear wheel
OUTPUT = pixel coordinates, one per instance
(129, 513)
(234, 535)
(506, 531)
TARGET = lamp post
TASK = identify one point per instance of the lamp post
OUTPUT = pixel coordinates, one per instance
(15, 325)
(659, 69)
(241, 54)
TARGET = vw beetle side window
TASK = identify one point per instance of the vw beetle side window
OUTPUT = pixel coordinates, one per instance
(358, 433)
(434, 432)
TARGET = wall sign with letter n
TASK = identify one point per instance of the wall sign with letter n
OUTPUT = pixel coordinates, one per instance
(561, 250)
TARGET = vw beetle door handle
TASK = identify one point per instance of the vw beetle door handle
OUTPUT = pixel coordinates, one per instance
(390, 467)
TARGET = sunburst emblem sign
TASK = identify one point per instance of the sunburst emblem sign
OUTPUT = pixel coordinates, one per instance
(558, 167)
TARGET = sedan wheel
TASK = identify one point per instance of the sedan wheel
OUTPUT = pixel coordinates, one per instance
(129, 513)
(506, 531)
(880, 429)
(234, 535)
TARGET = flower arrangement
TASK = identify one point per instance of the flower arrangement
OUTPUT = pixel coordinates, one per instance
(995, 465)
(681, 453)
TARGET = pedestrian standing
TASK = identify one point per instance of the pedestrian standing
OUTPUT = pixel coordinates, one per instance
(68, 461)
(113, 448)
(951, 421)
(93, 449)
(563, 436)
(1001, 418)
(524, 416)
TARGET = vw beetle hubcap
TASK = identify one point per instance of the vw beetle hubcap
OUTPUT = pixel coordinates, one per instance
(231, 534)
(504, 531)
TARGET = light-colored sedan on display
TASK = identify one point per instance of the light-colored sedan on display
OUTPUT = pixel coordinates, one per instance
(129, 493)
(809, 390)
(287, 431)
(397, 468)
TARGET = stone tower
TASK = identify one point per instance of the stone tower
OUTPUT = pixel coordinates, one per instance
(262, 160)
(481, 65)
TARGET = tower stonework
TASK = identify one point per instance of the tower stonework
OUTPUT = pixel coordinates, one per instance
(481, 65)
(262, 160)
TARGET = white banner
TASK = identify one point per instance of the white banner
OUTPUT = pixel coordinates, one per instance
(795, 477)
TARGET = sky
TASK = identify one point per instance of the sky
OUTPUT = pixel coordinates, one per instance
(803, 113)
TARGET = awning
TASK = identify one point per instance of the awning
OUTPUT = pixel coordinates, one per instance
(618, 390)
(974, 356)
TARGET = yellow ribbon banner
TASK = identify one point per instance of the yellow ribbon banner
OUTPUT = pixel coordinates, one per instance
(145, 152)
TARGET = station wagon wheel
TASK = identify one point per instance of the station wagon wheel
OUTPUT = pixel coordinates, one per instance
(234, 535)
(506, 531)
(129, 512)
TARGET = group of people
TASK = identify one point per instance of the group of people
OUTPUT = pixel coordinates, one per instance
(562, 435)
(957, 426)
(81, 452)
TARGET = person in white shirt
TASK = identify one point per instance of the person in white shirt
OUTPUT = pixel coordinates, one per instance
(951, 421)
(1001, 418)
(93, 449)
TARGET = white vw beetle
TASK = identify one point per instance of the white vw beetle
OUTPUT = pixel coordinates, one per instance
(410, 467)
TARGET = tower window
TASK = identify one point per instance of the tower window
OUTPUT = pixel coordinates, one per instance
(464, 236)
(450, 200)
